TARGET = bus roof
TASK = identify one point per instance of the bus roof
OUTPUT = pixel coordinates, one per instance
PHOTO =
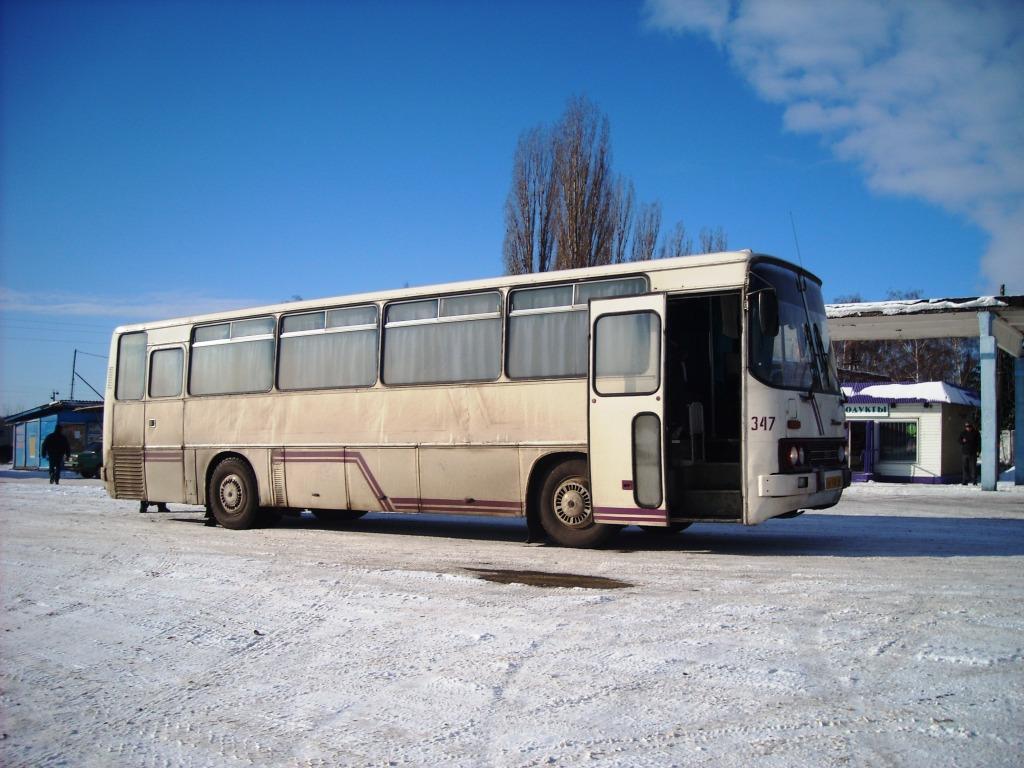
(503, 281)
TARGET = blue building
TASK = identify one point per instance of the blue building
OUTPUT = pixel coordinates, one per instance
(82, 421)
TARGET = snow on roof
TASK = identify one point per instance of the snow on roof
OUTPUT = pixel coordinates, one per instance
(912, 306)
(924, 392)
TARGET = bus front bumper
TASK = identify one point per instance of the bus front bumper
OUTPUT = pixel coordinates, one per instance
(803, 484)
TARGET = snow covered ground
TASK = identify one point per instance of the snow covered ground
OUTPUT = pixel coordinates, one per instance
(887, 631)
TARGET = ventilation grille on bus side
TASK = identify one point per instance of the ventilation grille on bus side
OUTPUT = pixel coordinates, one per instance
(110, 378)
(277, 478)
(129, 474)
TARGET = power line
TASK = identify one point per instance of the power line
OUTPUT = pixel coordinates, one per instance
(53, 341)
(41, 327)
(51, 321)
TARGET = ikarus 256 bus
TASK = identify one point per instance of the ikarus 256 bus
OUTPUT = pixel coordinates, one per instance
(655, 394)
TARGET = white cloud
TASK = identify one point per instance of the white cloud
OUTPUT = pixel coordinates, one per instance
(927, 98)
(139, 307)
(708, 16)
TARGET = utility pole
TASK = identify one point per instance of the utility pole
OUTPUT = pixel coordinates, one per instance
(76, 375)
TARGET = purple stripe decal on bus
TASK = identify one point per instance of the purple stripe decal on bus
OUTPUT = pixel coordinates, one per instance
(316, 461)
(357, 458)
(165, 455)
(407, 504)
(333, 456)
(458, 510)
(629, 515)
(474, 504)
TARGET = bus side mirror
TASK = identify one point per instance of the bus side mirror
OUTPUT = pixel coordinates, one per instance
(768, 313)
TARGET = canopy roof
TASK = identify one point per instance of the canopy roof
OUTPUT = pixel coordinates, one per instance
(55, 407)
(929, 319)
(923, 392)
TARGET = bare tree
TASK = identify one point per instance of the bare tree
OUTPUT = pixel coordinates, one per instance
(713, 240)
(566, 208)
(583, 165)
(646, 231)
(678, 243)
(964, 362)
(530, 209)
(624, 195)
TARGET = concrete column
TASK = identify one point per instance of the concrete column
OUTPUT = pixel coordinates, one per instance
(1018, 423)
(989, 431)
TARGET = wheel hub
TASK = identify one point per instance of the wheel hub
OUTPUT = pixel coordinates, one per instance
(231, 496)
(572, 504)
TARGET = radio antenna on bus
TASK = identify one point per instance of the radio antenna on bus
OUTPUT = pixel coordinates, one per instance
(792, 222)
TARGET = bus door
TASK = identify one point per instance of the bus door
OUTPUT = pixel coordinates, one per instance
(626, 410)
(163, 451)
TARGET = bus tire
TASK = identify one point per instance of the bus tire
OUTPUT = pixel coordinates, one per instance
(566, 512)
(233, 495)
(665, 530)
(337, 515)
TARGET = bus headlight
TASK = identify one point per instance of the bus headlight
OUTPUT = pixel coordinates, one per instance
(795, 456)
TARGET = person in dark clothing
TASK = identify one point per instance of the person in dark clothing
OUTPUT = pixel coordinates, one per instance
(970, 446)
(56, 449)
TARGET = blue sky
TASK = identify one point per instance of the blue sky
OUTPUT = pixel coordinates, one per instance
(160, 158)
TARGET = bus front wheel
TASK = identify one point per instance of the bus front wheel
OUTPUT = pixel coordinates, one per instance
(566, 509)
(233, 496)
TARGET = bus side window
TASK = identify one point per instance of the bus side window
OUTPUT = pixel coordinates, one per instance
(446, 340)
(233, 357)
(165, 369)
(547, 327)
(328, 349)
(131, 366)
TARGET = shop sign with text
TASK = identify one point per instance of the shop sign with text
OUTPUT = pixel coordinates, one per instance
(868, 411)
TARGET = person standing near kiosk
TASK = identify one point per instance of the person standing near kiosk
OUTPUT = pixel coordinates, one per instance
(970, 446)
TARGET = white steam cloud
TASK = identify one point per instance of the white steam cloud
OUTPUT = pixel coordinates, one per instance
(927, 98)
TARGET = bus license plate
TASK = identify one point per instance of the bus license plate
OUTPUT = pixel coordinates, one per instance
(831, 483)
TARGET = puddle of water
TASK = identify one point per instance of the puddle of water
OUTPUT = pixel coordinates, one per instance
(543, 579)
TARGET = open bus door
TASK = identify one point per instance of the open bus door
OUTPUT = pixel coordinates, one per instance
(626, 410)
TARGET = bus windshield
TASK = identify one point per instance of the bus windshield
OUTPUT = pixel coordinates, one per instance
(799, 356)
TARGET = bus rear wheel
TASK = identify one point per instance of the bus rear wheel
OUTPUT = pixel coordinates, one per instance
(566, 508)
(233, 495)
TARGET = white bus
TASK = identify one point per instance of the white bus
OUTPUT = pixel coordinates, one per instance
(654, 394)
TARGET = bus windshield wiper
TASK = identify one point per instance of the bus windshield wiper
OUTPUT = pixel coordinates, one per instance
(815, 359)
(819, 347)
